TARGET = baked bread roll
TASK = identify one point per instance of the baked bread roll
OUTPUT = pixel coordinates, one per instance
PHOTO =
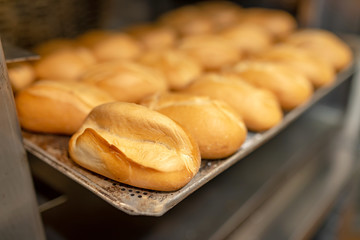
(248, 38)
(277, 22)
(125, 81)
(152, 36)
(21, 75)
(134, 145)
(178, 68)
(216, 127)
(211, 51)
(223, 14)
(57, 107)
(320, 73)
(92, 37)
(53, 45)
(323, 44)
(259, 108)
(64, 64)
(291, 87)
(116, 46)
(187, 21)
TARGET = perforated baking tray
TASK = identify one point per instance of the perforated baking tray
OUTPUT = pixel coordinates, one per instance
(52, 149)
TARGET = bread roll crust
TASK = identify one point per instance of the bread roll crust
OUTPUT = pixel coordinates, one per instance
(319, 72)
(259, 108)
(291, 87)
(178, 68)
(125, 81)
(323, 44)
(216, 127)
(211, 51)
(134, 145)
(116, 46)
(21, 75)
(65, 64)
(57, 107)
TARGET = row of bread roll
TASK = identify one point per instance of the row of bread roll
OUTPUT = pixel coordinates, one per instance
(213, 16)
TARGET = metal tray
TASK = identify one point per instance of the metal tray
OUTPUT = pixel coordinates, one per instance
(52, 149)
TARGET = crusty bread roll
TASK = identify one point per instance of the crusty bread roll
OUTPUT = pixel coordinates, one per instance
(248, 38)
(216, 127)
(125, 81)
(291, 87)
(323, 44)
(314, 68)
(64, 64)
(57, 107)
(134, 145)
(153, 36)
(211, 51)
(116, 46)
(90, 38)
(223, 14)
(259, 108)
(277, 22)
(21, 75)
(53, 45)
(187, 21)
(178, 68)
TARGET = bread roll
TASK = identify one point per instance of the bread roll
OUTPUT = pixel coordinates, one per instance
(314, 68)
(119, 46)
(57, 107)
(259, 108)
(92, 37)
(277, 22)
(53, 45)
(65, 64)
(187, 21)
(223, 14)
(323, 44)
(178, 68)
(290, 86)
(248, 38)
(21, 75)
(134, 145)
(125, 81)
(211, 51)
(153, 36)
(216, 127)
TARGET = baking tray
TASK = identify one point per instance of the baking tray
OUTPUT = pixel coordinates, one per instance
(16, 54)
(52, 149)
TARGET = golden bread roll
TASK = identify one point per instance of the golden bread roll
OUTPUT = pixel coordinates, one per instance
(178, 68)
(153, 36)
(21, 75)
(259, 108)
(314, 68)
(64, 64)
(90, 38)
(323, 44)
(57, 107)
(116, 46)
(277, 22)
(216, 127)
(53, 45)
(211, 51)
(291, 87)
(248, 38)
(187, 21)
(223, 14)
(125, 81)
(134, 145)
